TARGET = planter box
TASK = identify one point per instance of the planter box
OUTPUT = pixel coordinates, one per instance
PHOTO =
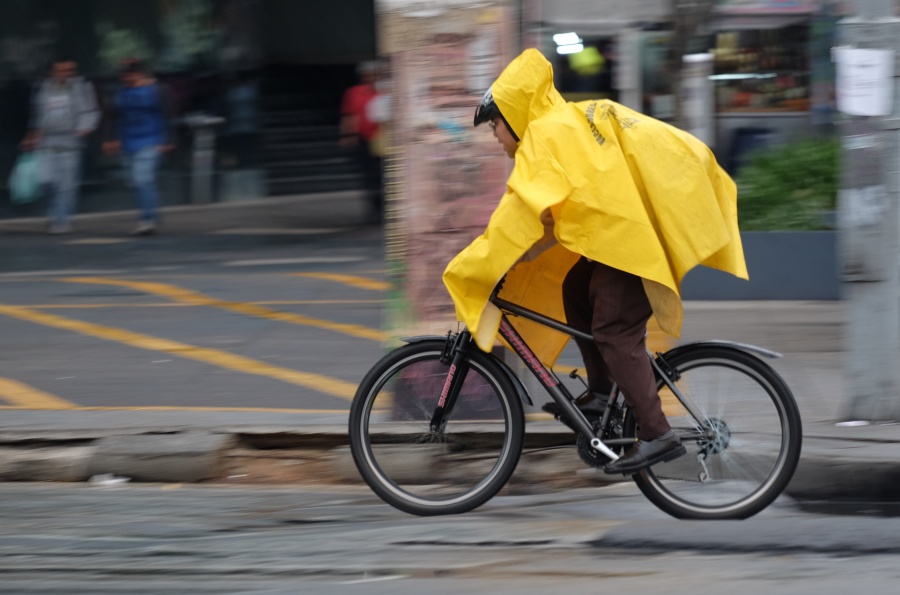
(783, 265)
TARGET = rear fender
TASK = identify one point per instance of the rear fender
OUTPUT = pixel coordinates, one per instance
(726, 344)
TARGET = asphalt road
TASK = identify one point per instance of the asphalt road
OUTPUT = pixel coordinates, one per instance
(248, 319)
(83, 538)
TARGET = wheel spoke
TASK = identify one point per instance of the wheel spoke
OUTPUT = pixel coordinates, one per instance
(748, 441)
(423, 471)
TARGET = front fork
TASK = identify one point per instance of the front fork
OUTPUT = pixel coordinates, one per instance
(455, 355)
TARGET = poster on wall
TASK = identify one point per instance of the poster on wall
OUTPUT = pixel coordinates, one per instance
(865, 79)
(443, 177)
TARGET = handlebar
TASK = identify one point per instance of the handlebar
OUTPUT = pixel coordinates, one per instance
(497, 288)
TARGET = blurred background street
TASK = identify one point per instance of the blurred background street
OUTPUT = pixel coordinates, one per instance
(186, 314)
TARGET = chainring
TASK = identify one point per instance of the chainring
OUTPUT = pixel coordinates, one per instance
(594, 458)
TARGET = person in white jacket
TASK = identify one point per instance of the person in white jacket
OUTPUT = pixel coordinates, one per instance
(64, 111)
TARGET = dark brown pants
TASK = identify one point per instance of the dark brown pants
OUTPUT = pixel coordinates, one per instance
(611, 305)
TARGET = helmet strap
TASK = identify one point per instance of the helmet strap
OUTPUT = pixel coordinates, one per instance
(508, 127)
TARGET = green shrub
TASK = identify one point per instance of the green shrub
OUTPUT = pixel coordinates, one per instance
(792, 186)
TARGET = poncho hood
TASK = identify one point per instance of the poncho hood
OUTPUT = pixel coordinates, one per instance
(524, 91)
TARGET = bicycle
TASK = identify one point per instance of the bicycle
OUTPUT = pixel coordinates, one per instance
(438, 409)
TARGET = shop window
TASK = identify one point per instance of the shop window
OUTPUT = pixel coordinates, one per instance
(657, 96)
(762, 70)
(587, 74)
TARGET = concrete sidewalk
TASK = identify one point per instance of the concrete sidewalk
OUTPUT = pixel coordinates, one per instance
(338, 210)
(846, 462)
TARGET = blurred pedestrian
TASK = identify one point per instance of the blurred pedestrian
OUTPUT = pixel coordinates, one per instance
(139, 128)
(64, 111)
(358, 132)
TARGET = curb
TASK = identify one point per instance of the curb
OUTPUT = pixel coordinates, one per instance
(188, 457)
(45, 463)
(317, 455)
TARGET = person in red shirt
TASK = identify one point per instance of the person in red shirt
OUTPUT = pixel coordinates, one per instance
(358, 132)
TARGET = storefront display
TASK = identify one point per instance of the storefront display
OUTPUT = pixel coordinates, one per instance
(762, 70)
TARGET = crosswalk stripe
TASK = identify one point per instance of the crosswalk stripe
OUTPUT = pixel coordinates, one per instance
(187, 296)
(223, 359)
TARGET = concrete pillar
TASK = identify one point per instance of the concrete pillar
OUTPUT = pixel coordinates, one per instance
(869, 224)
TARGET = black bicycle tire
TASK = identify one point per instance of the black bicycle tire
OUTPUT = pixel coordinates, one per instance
(789, 455)
(360, 445)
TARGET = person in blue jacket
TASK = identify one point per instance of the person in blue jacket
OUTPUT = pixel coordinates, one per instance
(139, 129)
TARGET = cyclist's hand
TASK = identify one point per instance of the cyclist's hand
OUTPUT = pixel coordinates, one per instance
(498, 287)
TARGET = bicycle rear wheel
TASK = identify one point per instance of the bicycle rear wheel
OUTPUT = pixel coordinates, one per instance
(431, 472)
(744, 448)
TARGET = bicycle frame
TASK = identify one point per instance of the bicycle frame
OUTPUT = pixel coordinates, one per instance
(660, 367)
(455, 355)
(557, 390)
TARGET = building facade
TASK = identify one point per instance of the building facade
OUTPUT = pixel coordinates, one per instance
(276, 67)
(771, 77)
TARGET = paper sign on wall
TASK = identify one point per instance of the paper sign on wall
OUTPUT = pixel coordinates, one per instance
(865, 81)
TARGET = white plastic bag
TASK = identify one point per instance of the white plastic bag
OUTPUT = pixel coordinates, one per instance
(26, 178)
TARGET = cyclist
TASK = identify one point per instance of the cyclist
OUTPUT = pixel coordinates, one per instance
(616, 207)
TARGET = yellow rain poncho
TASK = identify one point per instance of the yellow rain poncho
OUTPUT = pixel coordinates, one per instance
(624, 189)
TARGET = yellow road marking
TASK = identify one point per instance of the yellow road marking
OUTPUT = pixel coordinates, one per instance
(179, 294)
(223, 359)
(538, 416)
(23, 396)
(52, 276)
(180, 305)
(351, 280)
(306, 302)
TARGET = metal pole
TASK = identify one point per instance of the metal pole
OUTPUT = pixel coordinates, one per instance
(202, 155)
(869, 224)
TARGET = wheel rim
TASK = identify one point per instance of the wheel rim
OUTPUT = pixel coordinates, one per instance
(412, 463)
(744, 434)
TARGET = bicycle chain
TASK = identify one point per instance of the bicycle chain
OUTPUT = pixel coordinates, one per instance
(663, 477)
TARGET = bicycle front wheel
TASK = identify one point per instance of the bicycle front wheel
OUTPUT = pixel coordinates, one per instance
(744, 445)
(427, 471)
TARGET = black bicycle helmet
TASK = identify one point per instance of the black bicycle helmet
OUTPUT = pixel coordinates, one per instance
(487, 110)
